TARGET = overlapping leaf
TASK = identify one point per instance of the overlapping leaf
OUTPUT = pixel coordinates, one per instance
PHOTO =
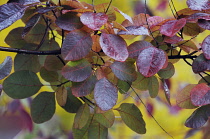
(5, 67)
(105, 94)
(124, 71)
(134, 30)
(83, 88)
(198, 4)
(69, 21)
(77, 71)
(114, 46)
(49, 76)
(132, 117)
(199, 117)
(82, 116)
(141, 83)
(61, 95)
(97, 131)
(105, 118)
(53, 63)
(43, 107)
(94, 20)
(76, 45)
(200, 95)
(167, 72)
(24, 2)
(170, 28)
(123, 86)
(206, 47)
(9, 13)
(200, 64)
(153, 86)
(18, 87)
(183, 99)
(150, 61)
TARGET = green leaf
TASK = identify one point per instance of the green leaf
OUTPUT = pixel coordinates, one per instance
(27, 62)
(82, 116)
(183, 99)
(132, 117)
(43, 107)
(72, 103)
(141, 82)
(106, 119)
(77, 71)
(49, 76)
(53, 63)
(124, 71)
(123, 86)
(167, 72)
(21, 84)
(153, 86)
(97, 131)
(203, 81)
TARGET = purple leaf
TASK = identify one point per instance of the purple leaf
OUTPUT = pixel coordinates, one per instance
(200, 64)
(135, 48)
(134, 30)
(24, 2)
(76, 45)
(200, 95)
(9, 13)
(124, 71)
(150, 61)
(114, 46)
(94, 20)
(206, 47)
(198, 4)
(105, 94)
(83, 88)
(30, 24)
(27, 119)
(77, 71)
(170, 28)
(42, 10)
(199, 117)
(69, 21)
(5, 67)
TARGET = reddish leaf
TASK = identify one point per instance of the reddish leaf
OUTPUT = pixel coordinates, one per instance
(138, 20)
(199, 117)
(124, 71)
(105, 94)
(24, 2)
(76, 45)
(53, 63)
(205, 24)
(77, 71)
(206, 47)
(135, 48)
(42, 10)
(150, 61)
(196, 16)
(187, 45)
(69, 21)
(200, 95)
(114, 46)
(27, 119)
(83, 88)
(172, 40)
(101, 8)
(154, 20)
(30, 24)
(9, 13)
(94, 20)
(200, 64)
(198, 4)
(134, 30)
(170, 28)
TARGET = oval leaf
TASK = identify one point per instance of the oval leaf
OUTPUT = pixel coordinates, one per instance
(200, 64)
(153, 86)
(77, 71)
(5, 67)
(132, 117)
(93, 20)
(9, 13)
(200, 95)
(43, 107)
(18, 87)
(69, 22)
(82, 116)
(150, 61)
(97, 131)
(206, 47)
(53, 63)
(106, 118)
(199, 117)
(105, 94)
(83, 88)
(134, 30)
(198, 4)
(114, 46)
(183, 97)
(141, 83)
(61, 95)
(167, 72)
(76, 45)
(170, 28)
(124, 71)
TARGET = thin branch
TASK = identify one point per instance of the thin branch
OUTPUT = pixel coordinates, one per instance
(23, 51)
(150, 112)
(108, 6)
(182, 57)
(61, 60)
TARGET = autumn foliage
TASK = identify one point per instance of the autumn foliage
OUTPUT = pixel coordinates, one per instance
(82, 52)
